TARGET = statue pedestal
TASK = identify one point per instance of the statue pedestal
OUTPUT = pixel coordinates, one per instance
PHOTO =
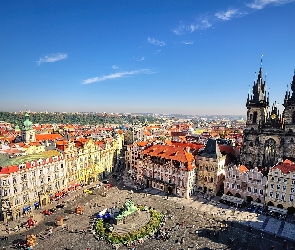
(126, 219)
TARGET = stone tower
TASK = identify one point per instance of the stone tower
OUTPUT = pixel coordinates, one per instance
(289, 122)
(28, 133)
(263, 135)
(257, 104)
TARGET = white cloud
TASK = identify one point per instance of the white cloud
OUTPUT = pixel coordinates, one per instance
(199, 24)
(141, 59)
(115, 66)
(227, 15)
(260, 4)
(155, 42)
(52, 58)
(117, 75)
(188, 43)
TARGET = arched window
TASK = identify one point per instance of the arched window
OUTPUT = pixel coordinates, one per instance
(254, 117)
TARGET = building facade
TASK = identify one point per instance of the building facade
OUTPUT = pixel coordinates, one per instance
(249, 185)
(210, 168)
(281, 185)
(168, 168)
(269, 136)
(28, 182)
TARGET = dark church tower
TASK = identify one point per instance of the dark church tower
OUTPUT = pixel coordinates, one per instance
(289, 122)
(257, 104)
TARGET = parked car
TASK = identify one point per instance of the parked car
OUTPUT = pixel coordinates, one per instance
(87, 191)
(105, 182)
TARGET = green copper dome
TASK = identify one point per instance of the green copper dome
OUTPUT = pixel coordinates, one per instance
(27, 122)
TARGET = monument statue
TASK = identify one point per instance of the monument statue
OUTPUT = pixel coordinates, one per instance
(127, 212)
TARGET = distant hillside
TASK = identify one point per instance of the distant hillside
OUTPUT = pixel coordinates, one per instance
(73, 118)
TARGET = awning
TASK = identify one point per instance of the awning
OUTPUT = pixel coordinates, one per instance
(232, 199)
(278, 210)
(36, 204)
(256, 204)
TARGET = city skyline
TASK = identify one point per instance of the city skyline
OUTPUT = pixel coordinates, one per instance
(186, 57)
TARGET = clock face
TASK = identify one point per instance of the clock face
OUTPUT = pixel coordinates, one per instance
(273, 116)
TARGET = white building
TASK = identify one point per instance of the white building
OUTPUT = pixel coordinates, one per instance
(249, 185)
(27, 182)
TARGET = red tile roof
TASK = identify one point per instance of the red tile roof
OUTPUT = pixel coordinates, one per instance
(228, 149)
(142, 143)
(170, 153)
(45, 137)
(192, 146)
(286, 167)
(243, 169)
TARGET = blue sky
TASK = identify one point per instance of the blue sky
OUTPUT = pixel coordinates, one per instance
(168, 56)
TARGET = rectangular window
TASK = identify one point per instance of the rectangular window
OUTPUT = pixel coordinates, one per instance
(277, 195)
(284, 188)
(232, 186)
(249, 189)
(255, 190)
(292, 190)
(261, 191)
(238, 186)
(291, 197)
(272, 186)
(283, 197)
(270, 194)
(278, 187)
